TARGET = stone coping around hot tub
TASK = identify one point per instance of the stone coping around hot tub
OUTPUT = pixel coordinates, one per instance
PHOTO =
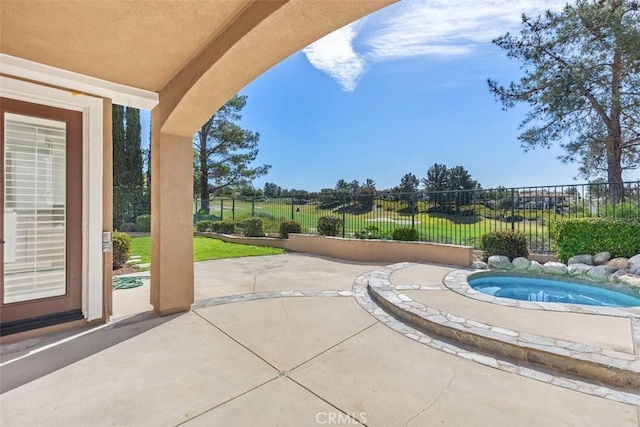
(457, 281)
(607, 366)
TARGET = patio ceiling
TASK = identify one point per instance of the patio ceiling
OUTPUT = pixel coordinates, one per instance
(194, 54)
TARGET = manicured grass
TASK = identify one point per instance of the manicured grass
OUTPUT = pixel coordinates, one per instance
(432, 227)
(205, 249)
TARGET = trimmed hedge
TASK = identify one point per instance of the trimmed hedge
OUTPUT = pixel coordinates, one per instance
(121, 248)
(508, 243)
(223, 227)
(289, 227)
(127, 227)
(143, 223)
(253, 227)
(370, 232)
(406, 234)
(204, 225)
(329, 225)
(620, 237)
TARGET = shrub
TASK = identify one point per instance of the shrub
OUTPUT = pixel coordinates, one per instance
(143, 223)
(121, 248)
(329, 225)
(204, 225)
(621, 210)
(406, 234)
(289, 227)
(127, 227)
(508, 243)
(203, 215)
(253, 227)
(369, 232)
(223, 227)
(620, 237)
(264, 215)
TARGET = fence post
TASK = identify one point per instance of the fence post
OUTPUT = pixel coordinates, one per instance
(344, 216)
(513, 209)
(253, 206)
(221, 209)
(413, 210)
(292, 208)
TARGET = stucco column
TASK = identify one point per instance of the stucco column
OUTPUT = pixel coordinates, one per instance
(171, 220)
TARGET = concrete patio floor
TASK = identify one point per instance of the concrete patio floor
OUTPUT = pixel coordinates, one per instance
(298, 361)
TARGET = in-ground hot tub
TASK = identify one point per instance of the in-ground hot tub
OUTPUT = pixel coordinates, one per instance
(550, 290)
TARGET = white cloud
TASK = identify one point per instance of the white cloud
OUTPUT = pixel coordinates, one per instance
(335, 56)
(448, 27)
(419, 28)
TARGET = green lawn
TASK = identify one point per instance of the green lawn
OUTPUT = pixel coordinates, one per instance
(205, 249)
(432, 227)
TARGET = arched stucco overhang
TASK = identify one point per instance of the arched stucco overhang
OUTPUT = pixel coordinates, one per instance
(259, 36)
(190, 57)
(262, 35)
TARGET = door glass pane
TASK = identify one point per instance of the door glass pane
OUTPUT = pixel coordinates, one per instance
(34, 208)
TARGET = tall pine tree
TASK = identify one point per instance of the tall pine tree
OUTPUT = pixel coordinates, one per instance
(119, 156)
(132, 149)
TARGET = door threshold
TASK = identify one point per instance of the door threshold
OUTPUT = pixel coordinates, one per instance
(14, 327)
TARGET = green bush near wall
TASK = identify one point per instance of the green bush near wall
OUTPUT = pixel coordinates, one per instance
(253, 227)
(406, 234)
(121, 249)
(143, 223)
(620, 237)
(204, 225)
(508, 243)
(289, 227)
(223, 227)
(329, 225)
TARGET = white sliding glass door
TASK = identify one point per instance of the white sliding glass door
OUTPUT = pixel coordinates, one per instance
(34, 208)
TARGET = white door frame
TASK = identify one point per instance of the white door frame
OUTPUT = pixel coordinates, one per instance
(92, 177)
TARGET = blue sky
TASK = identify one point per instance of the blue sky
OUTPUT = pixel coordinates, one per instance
(396, 92)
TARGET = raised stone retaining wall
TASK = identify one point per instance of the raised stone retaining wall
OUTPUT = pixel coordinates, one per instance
(608, 366)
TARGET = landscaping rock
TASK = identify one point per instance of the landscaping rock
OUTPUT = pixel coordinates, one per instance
(619, 263)
(500, 262)
(578, 270)
(581, 259)
(615, 276)
(521, 264)
(556, 268)
(534, 267)
(601, 258)
(635, 259)
(600, 273)
(635, 269)
(630, 280)
(479, 265)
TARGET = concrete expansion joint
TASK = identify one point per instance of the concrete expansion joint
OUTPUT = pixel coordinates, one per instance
(570, 365)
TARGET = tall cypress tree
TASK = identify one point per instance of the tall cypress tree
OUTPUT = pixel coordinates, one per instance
(133, 150)
(119, 156)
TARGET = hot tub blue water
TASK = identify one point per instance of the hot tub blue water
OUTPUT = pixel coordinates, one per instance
(546, 290)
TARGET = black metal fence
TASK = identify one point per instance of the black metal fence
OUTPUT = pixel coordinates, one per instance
(454, 217)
